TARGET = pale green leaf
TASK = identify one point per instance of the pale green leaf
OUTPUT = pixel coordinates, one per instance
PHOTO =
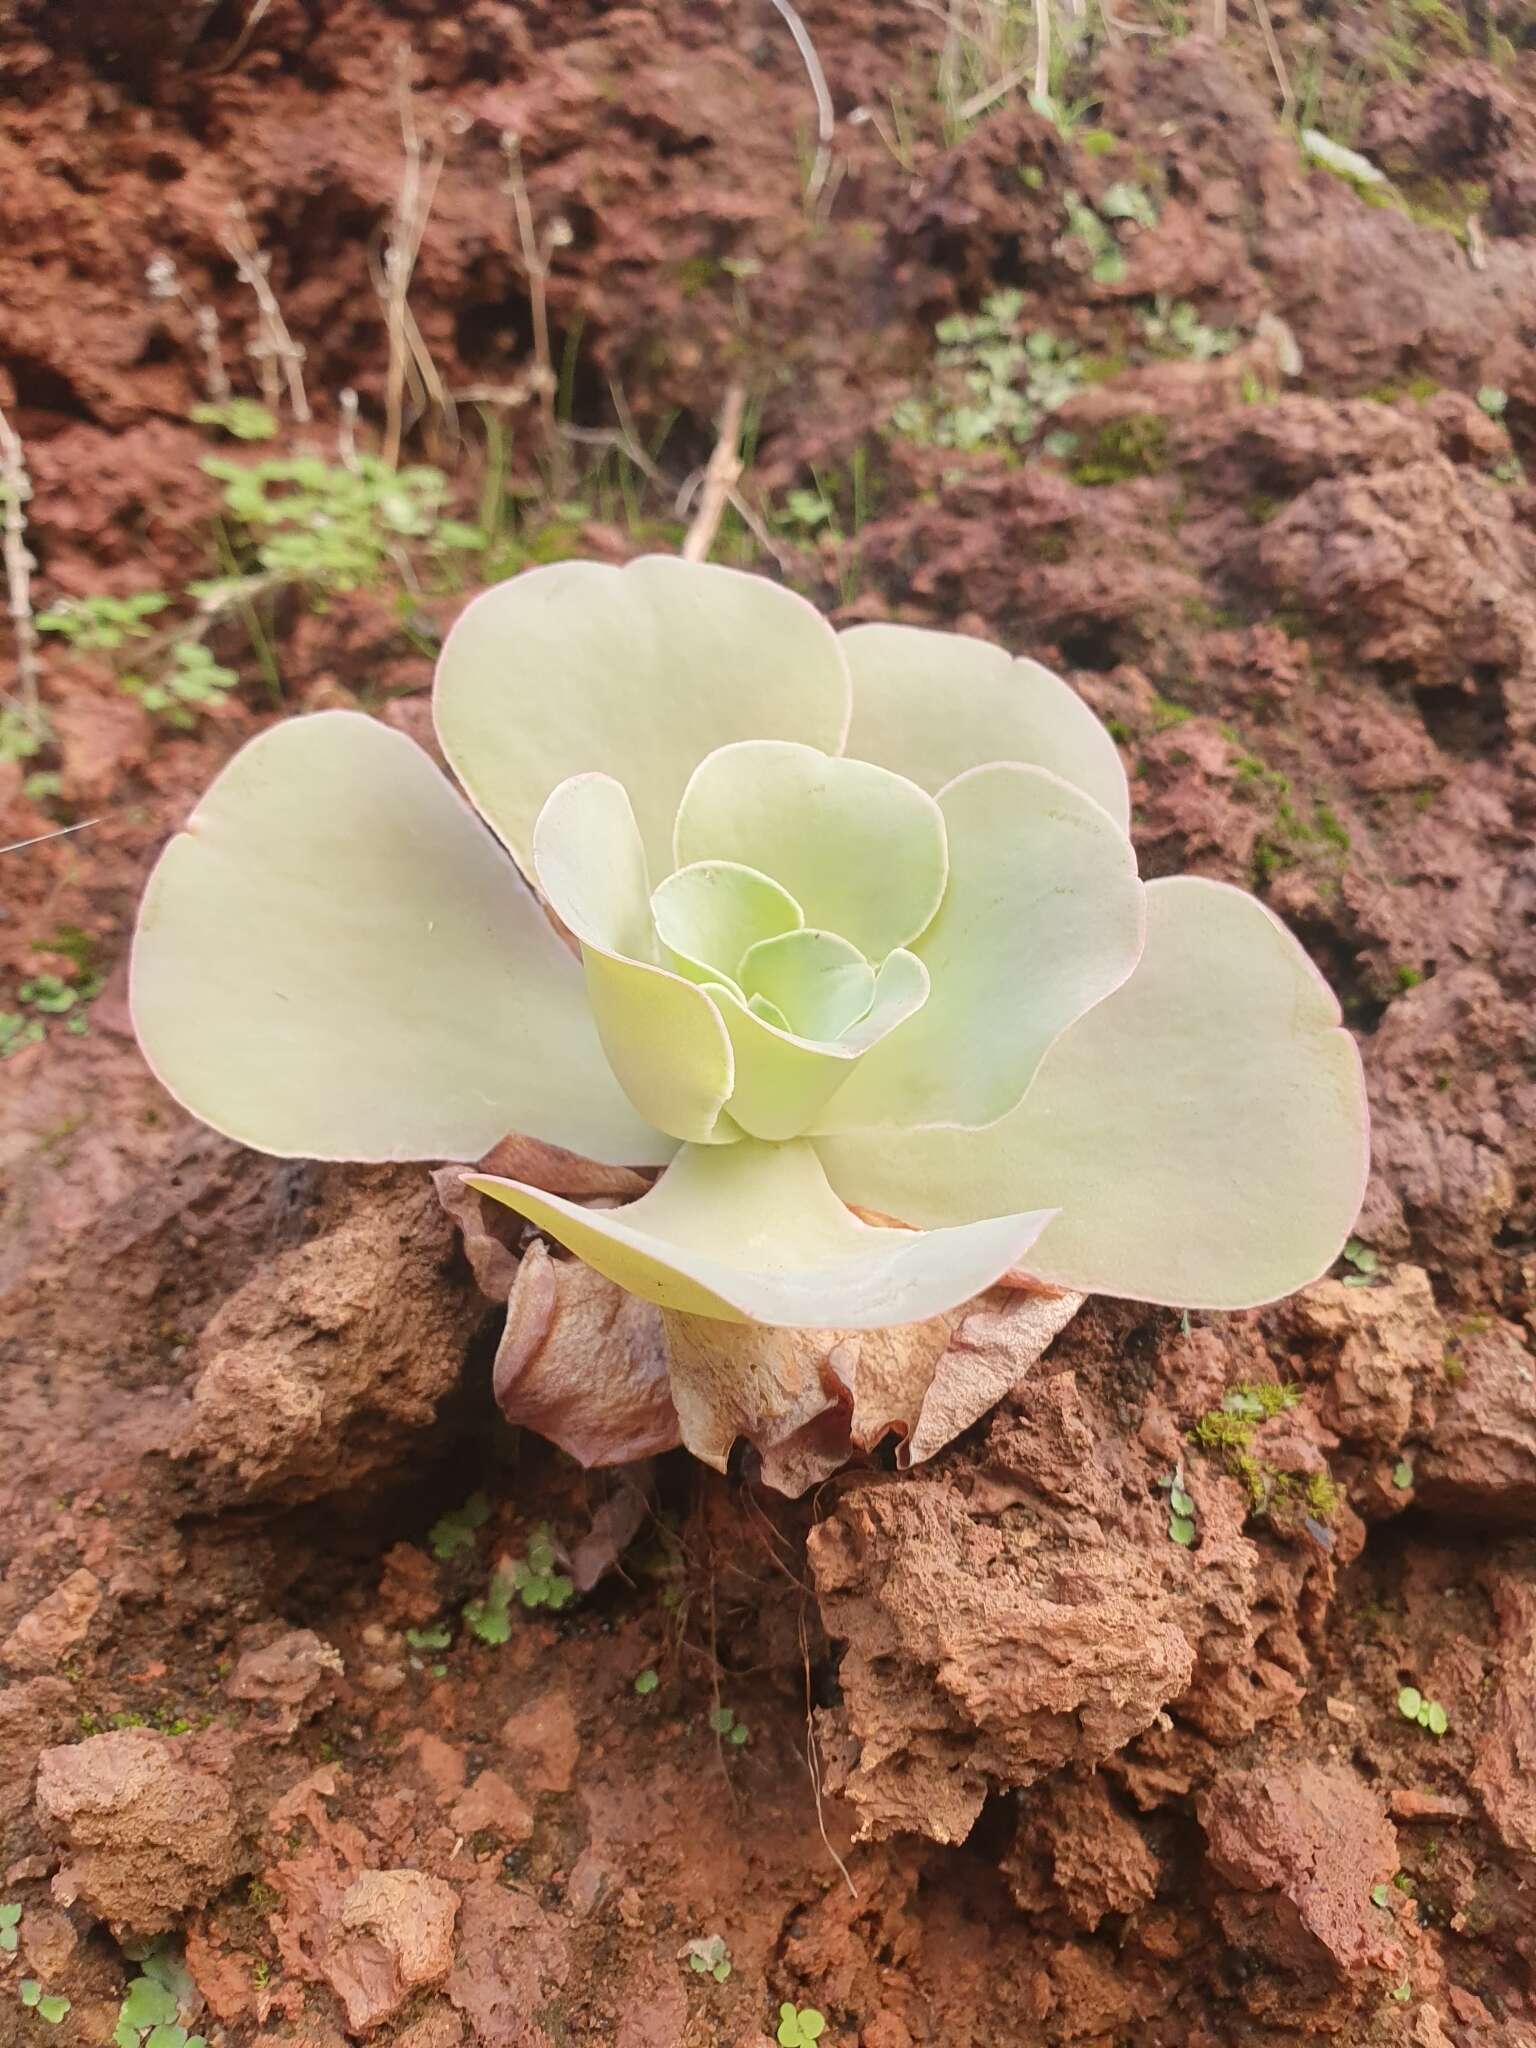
(335, 961)
(783, 1081)
(636, 672)
(708, 916)
(861, 850)
(1042, 918)
(1203, 1131)
(930, 705)
(664, 1038)
(818, 981)
(753, 1233)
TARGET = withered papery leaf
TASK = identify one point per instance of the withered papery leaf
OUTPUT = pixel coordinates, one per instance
(584, 1363)
(811, 1399)
(490, 1231)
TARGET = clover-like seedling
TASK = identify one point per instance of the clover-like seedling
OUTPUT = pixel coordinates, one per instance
(48, 2005)
(1181, 1510)
(709, 1957)
(10, 1921)
(800, 2026)
(646, 1682)
(723, 1722)
(150, 2014)
(537, 1581)
(840, 935)
(1413, 1706)
(455, 1531)
(490, 1617)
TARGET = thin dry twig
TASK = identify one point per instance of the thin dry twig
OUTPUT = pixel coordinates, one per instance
(826, 115)
(536, 257)
(165, 281)
(278, 357)
(410, 360)
(813, 1757)
(1042, 49)
(1277, 62)
(346, 428)
(238, 47)
(61, 832)
(19, 564)
(1218, 18)
(720, 478)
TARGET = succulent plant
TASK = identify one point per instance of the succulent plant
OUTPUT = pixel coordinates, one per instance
(842, 931)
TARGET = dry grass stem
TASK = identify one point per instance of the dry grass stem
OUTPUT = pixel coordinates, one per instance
(826, 117)
(16, 485)
(1218, 18)
(278, 357)
(720, 478)
(1277, 62)
(1042, 49)
(239, 46)
(411, 374)
(536, 255)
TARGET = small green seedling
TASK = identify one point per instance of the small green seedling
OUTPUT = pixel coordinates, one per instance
(99, 625)
(435, 1638)
(193, 681)
(800, 2026)
(536, 1579)
(1381, 1895)
(709, 1957)
(490, 1618)
(1173, 328)
(1365, 1262)
(243, 419)
(17, 1031)
(48, 2005)
(1413, 1706)
(1493, 401)
(646, 1683)
(809, 510)
(723, 1722)
(10, 1920)
(1402, 1475)
(455, 1531)
(150, 2014)
(46, 992)
(1181, 1513)
(1257, 1403)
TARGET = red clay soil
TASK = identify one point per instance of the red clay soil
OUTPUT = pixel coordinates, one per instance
(1020, 1768)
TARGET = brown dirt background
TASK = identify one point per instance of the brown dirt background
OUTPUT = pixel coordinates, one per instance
(1111, 1791)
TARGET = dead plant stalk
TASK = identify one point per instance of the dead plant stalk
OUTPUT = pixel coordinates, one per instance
(19, 565)
(278, 357)
(409, 356)
(720, 478)
(536, 270)
(826, 116)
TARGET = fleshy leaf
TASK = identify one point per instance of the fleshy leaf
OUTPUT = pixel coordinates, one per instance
(753, 1232)
(818, 981)
(1203, 1131)
(334, 960)
(861, 851)
(930, 705)
(783, 1081)
(1043, 916)
(637, 672)
(709, 915)
(664, 1038)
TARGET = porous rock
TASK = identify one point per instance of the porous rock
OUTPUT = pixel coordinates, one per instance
(148, 1823)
